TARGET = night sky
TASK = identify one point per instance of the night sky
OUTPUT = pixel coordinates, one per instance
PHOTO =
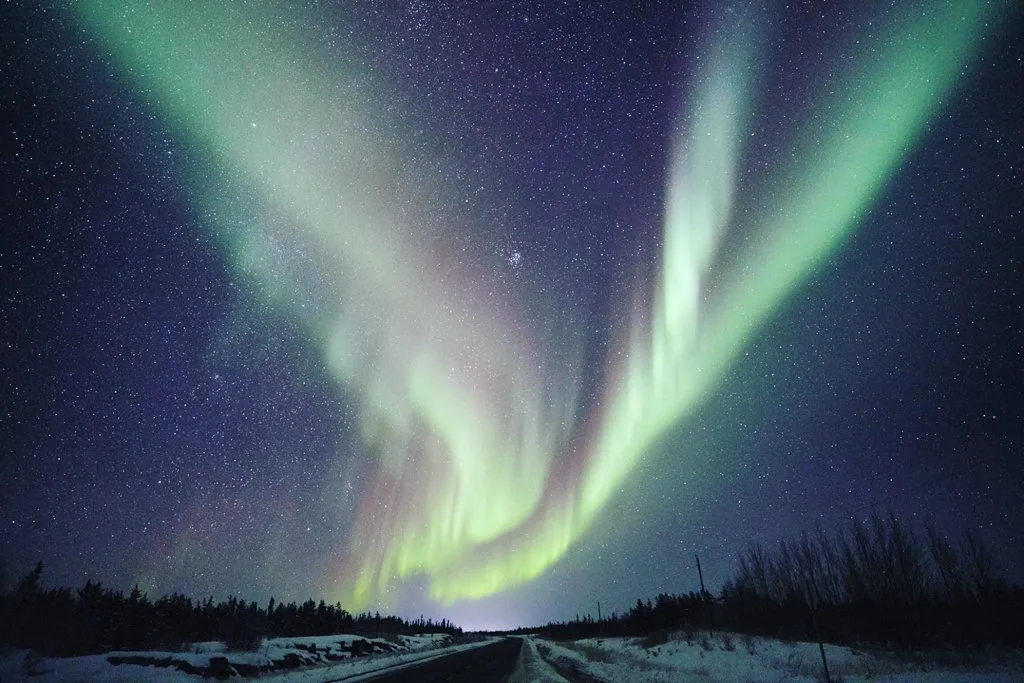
(491, 311)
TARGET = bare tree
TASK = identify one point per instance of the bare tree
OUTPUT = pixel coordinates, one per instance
(906, 561)
(756, 568)
(785, 582)
(830, 575)
(946, 563)
(985, 579)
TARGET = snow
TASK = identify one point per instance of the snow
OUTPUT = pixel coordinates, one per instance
(730, 657)
(531, 667)
(362, 669)
(318, 658)
(697, 657)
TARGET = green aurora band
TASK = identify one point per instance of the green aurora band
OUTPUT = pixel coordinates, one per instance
(483, 483)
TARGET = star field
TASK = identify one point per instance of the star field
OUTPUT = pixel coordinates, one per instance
(492, 313)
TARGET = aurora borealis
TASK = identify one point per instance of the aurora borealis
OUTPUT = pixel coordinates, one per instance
(444, 318)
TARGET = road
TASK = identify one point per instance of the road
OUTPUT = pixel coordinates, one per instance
(487, 664)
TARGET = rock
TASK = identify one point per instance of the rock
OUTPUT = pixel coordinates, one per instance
(219, 668)
(290, 661)
(246, 669)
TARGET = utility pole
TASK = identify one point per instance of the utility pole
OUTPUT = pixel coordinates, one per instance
(599, 611)
(812, 602)
(703, 592)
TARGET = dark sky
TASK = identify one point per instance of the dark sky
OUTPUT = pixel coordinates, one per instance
(388, 336)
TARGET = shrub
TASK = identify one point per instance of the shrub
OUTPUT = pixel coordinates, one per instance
(595, 654)
(655, 638)
(242, 637)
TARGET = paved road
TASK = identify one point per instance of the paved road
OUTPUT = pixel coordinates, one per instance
(487, 664)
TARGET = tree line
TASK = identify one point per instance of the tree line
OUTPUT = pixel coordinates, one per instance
(95, 619)
(877, 580)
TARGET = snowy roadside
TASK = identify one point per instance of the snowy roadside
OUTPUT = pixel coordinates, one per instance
(360, 670)
(531, 667)
(729, 657)
(312, 659)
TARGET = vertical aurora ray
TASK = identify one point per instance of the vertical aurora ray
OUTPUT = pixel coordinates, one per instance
(673, 363)
(480, 485)
(452, 396)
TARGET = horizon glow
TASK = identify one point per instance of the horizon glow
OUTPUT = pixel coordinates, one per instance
(484, 480)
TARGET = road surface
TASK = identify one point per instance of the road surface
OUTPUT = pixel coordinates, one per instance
(487, 664)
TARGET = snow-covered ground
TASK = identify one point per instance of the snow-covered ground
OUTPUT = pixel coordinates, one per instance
(722, 658)
(728, 657)
(310, 659)
(531, 667)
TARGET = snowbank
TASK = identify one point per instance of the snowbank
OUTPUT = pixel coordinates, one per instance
(730, 657)
(279, 659)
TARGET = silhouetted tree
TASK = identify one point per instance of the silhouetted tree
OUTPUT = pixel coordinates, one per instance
(61, 622)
